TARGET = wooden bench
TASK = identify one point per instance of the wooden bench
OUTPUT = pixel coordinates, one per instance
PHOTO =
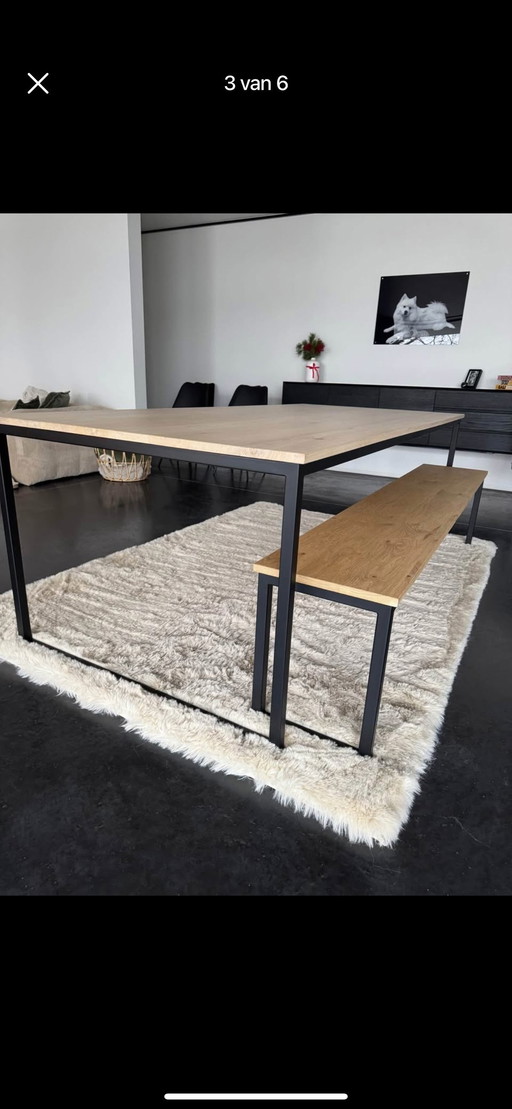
(369, 556)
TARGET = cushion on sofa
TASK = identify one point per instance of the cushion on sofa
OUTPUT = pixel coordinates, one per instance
(33, 398)
(34, 391)
(55, 400)
(34, 403)
(35, 460)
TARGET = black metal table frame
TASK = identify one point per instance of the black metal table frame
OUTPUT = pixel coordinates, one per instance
(293, 473)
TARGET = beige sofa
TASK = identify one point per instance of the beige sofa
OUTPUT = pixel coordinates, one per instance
(34, 460)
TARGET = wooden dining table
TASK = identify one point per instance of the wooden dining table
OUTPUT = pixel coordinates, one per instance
(291, 440)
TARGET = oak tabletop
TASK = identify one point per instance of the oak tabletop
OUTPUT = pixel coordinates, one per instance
(297, 433)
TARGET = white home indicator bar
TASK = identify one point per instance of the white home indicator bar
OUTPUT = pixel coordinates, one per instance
(255, 1097)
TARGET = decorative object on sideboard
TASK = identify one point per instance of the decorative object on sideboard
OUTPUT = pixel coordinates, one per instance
(471, 379)
(312, 370)
(504, 381)
(121, 465)
(310, 350)
(428, 313)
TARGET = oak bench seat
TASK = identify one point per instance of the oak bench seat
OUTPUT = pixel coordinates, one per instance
(369, 555)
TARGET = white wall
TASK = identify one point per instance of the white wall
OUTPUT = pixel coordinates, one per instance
(229, 303)
(71, 312)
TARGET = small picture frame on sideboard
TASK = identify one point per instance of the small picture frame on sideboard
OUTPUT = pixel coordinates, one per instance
(471, 380)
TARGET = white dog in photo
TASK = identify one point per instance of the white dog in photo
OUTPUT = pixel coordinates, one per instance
(411, 322)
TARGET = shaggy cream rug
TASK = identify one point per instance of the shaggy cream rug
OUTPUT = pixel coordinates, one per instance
(178, 615)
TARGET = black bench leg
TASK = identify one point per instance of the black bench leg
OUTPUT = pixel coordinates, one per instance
(261, 645)
(474, 513)
(376, 678)
(285, 600)
(12, 542)
(453, 443)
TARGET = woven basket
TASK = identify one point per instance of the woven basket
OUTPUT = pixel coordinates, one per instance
(120, 466)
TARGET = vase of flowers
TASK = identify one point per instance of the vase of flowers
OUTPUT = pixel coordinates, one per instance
(310, 350)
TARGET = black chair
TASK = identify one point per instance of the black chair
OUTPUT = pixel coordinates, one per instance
(194, 394)
(250, 394)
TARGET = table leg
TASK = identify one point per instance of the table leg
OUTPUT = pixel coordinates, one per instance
(453, 443)
(474, 513)
(285, 601)
(261, 643)
(12, 542)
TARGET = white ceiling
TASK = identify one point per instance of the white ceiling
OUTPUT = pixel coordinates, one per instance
(156, 221)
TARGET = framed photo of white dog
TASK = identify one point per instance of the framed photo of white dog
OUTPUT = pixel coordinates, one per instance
(422, 309)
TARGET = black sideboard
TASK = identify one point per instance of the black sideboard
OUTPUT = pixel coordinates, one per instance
(487, 423)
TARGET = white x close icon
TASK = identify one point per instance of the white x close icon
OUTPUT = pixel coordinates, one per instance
(38, 84)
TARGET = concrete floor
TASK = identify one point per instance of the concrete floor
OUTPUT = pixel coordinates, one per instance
(87, 809)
